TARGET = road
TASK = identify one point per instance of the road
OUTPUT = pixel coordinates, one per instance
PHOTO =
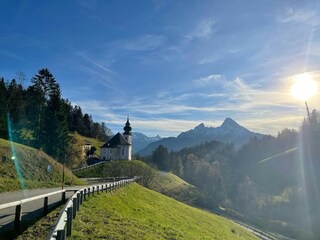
(32, 209)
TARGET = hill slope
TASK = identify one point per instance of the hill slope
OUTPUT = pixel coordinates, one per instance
(94, 142)
(28, 168)
(229, 132)
(135, 212)
(173, 186)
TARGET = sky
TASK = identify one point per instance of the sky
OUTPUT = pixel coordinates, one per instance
(170, 65)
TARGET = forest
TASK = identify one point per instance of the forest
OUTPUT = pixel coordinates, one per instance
(272, 182)
(39, 117)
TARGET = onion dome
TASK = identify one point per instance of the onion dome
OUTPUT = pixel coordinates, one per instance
(127, 128)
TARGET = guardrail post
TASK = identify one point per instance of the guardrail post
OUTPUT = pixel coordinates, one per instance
(69, 221)
(78, 202)
(63, 197)
(45, 206)
(85, 194)
(74, 207)
(61, 234)
(92, 191)
(81, 197)
(88, 192)
(17, 219)
(98, 189)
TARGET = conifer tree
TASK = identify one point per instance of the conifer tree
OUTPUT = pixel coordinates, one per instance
(44, 84)
(3, 107)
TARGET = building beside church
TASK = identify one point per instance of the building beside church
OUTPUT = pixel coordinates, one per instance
(119, 147)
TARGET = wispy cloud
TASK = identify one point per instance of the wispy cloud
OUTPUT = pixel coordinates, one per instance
(203, 29)
(266, 110)
(298, 16)
(213, 78)
(10, 54)
(95, 63)
(144, 43)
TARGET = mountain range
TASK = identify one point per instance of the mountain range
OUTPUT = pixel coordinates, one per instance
(140, 141)
(229, 132)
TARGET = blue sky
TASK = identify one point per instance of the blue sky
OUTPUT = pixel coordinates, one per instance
(171, 65)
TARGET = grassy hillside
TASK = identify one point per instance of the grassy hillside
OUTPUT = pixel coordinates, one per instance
(30, 166)
(175, 187)
(165, 183)
(94, 142)
(135, 212)
(115, 169)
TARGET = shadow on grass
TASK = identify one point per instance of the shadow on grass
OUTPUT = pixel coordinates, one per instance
(28, 219)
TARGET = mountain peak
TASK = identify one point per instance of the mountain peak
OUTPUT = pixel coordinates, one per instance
(200, 126)
(228, 122)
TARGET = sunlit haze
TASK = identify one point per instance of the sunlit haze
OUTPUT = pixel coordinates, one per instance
(304, 87)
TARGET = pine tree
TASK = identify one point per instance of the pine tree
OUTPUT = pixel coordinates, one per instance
(43, 85)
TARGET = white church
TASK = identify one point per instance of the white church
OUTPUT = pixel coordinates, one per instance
(119, 147)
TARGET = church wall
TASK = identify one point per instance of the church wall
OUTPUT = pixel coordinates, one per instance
(127, 152)
(119, 153)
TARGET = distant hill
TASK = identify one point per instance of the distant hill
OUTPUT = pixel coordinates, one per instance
(229, 132)
(135, 212)
(140, 141)
(31, 167)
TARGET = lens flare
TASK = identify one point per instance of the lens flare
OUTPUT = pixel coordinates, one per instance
(14, 155)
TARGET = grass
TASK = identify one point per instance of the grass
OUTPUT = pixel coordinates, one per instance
(40, 228)
(29, 169)
(165, 183)
(135, 212)
(175, 187)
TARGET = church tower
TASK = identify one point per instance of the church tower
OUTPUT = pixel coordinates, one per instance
(128, 137)
(127, 132)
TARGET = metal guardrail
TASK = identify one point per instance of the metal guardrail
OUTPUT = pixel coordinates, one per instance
(19, 204)
(63, 227)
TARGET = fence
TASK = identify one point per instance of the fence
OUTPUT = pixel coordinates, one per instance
(63, 227)
(89, 166)
(19, 205)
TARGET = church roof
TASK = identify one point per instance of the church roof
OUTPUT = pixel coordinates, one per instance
(115, 141)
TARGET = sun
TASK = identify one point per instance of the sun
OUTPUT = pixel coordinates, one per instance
(304, 86)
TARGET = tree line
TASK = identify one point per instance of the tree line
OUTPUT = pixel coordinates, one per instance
(269, 180)
(39, 117)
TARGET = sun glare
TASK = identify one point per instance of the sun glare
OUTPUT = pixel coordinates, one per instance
(304, 86)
